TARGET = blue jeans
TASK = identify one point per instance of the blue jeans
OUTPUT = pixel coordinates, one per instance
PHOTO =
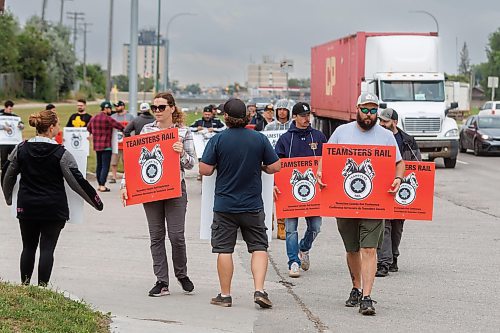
(102, 169)
(292, 237)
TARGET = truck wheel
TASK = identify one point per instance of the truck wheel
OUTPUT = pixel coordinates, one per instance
(477, 148)
(450, 163)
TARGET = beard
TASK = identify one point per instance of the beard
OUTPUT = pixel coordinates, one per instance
(363, 124)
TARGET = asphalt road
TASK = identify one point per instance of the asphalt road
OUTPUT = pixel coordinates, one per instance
(447, 281)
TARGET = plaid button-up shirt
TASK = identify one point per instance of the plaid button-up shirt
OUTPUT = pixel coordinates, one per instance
(101, 127)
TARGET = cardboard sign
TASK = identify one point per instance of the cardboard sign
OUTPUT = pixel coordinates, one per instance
(114, 141)
(200, 140)
(273, 136)
(12, 136)
(358, 178)
(300, 194)
(152, 167)
(75, 139)
(207, 204)
(415, 197)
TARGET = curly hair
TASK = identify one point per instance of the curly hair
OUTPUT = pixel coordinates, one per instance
(178, 116)
(232, 122)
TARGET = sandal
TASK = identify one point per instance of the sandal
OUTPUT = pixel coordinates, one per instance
(105, 190)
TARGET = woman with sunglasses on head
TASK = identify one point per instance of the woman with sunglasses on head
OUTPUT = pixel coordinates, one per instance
(173, 211)
(42, 205)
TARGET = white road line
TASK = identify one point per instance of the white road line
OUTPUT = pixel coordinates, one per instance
(462, 162)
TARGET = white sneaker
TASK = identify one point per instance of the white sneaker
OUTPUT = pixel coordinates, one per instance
(294, 270)
(304, 260)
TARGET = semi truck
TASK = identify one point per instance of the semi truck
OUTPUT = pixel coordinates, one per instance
(402, 69)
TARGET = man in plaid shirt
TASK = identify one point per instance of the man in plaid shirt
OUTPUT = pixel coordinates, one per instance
(101, 127)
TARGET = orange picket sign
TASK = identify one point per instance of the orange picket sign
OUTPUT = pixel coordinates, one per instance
(415, 197)
(300, 195)
(121, 135)
(152, 167)
(358, 178)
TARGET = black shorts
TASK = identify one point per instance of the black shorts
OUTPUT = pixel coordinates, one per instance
(225, 229)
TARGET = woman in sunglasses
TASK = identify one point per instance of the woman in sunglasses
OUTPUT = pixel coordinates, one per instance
(173, 211)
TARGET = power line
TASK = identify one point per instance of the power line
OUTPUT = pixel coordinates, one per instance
(85, 31)
(75, 16)
(61, 13)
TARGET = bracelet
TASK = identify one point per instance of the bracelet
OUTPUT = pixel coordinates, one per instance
(400, 178)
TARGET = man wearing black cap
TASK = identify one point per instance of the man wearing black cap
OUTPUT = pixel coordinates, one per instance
(389, 252)
(208, 121)
(239, 155)
(301, 140)
(266, 118)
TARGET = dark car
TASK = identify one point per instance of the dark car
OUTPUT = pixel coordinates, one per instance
(481, 134)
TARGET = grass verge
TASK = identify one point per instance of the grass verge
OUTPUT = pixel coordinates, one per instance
(34, 309)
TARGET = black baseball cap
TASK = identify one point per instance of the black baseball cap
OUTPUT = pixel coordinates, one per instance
(207, 108)
(120, 103)
(301, 108)
(235, 108)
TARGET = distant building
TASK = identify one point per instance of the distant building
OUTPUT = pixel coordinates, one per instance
(146, 55)
(266, 76)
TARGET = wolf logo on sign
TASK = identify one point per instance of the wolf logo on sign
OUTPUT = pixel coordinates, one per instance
(151, 164)
(76, 141)
(303, 185)
(358, 179)
(407, 190)
(10, 131)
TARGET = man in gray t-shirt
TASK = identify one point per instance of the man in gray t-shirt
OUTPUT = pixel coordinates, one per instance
(123, 117)
(362, 237)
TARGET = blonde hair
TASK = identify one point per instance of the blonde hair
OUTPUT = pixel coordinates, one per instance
(177, 116)
(42, 120)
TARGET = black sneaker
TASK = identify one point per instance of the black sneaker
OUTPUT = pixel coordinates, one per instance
(382, 271)
(262, 299)
(366, 307)
(186, 284)
(160, 289)
(354, 298)
(394, 266)
(225, 301)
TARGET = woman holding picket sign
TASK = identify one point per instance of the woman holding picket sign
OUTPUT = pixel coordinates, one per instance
(42, 205)
(173, 211)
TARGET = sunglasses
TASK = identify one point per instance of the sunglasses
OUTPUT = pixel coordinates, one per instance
(369, 111)
(158, 108)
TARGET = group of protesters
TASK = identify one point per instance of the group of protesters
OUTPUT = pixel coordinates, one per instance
(239, 154)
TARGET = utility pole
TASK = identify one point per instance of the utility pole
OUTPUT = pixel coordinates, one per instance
(85, 31)
(2, 6)
(157, 76)
(110, 49)
(75, 16)
(61, 12)
(132, 74)
(44, 8)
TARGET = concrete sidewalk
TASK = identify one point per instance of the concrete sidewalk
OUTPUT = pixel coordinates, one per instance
(106, 262)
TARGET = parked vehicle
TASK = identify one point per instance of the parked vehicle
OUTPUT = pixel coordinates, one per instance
(481, 134)
(491, 107)
(402, 69)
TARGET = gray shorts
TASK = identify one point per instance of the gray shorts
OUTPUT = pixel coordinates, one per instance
(225, 229)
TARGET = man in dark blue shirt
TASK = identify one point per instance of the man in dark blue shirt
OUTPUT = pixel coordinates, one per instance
(239, 155)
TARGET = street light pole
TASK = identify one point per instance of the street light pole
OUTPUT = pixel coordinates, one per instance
(167, 53)
(429, 14)
(157, 77)
(132, 74)
(110, 50)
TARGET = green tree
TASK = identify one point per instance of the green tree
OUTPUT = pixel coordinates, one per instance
(492, 66)
(121, 82)
(299, 83)
(9, 29)
(96, 78)
(193, 89)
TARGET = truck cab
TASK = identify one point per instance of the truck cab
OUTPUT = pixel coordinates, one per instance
(419, 99)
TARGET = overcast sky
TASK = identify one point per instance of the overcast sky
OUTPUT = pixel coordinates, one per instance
(216, 45)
